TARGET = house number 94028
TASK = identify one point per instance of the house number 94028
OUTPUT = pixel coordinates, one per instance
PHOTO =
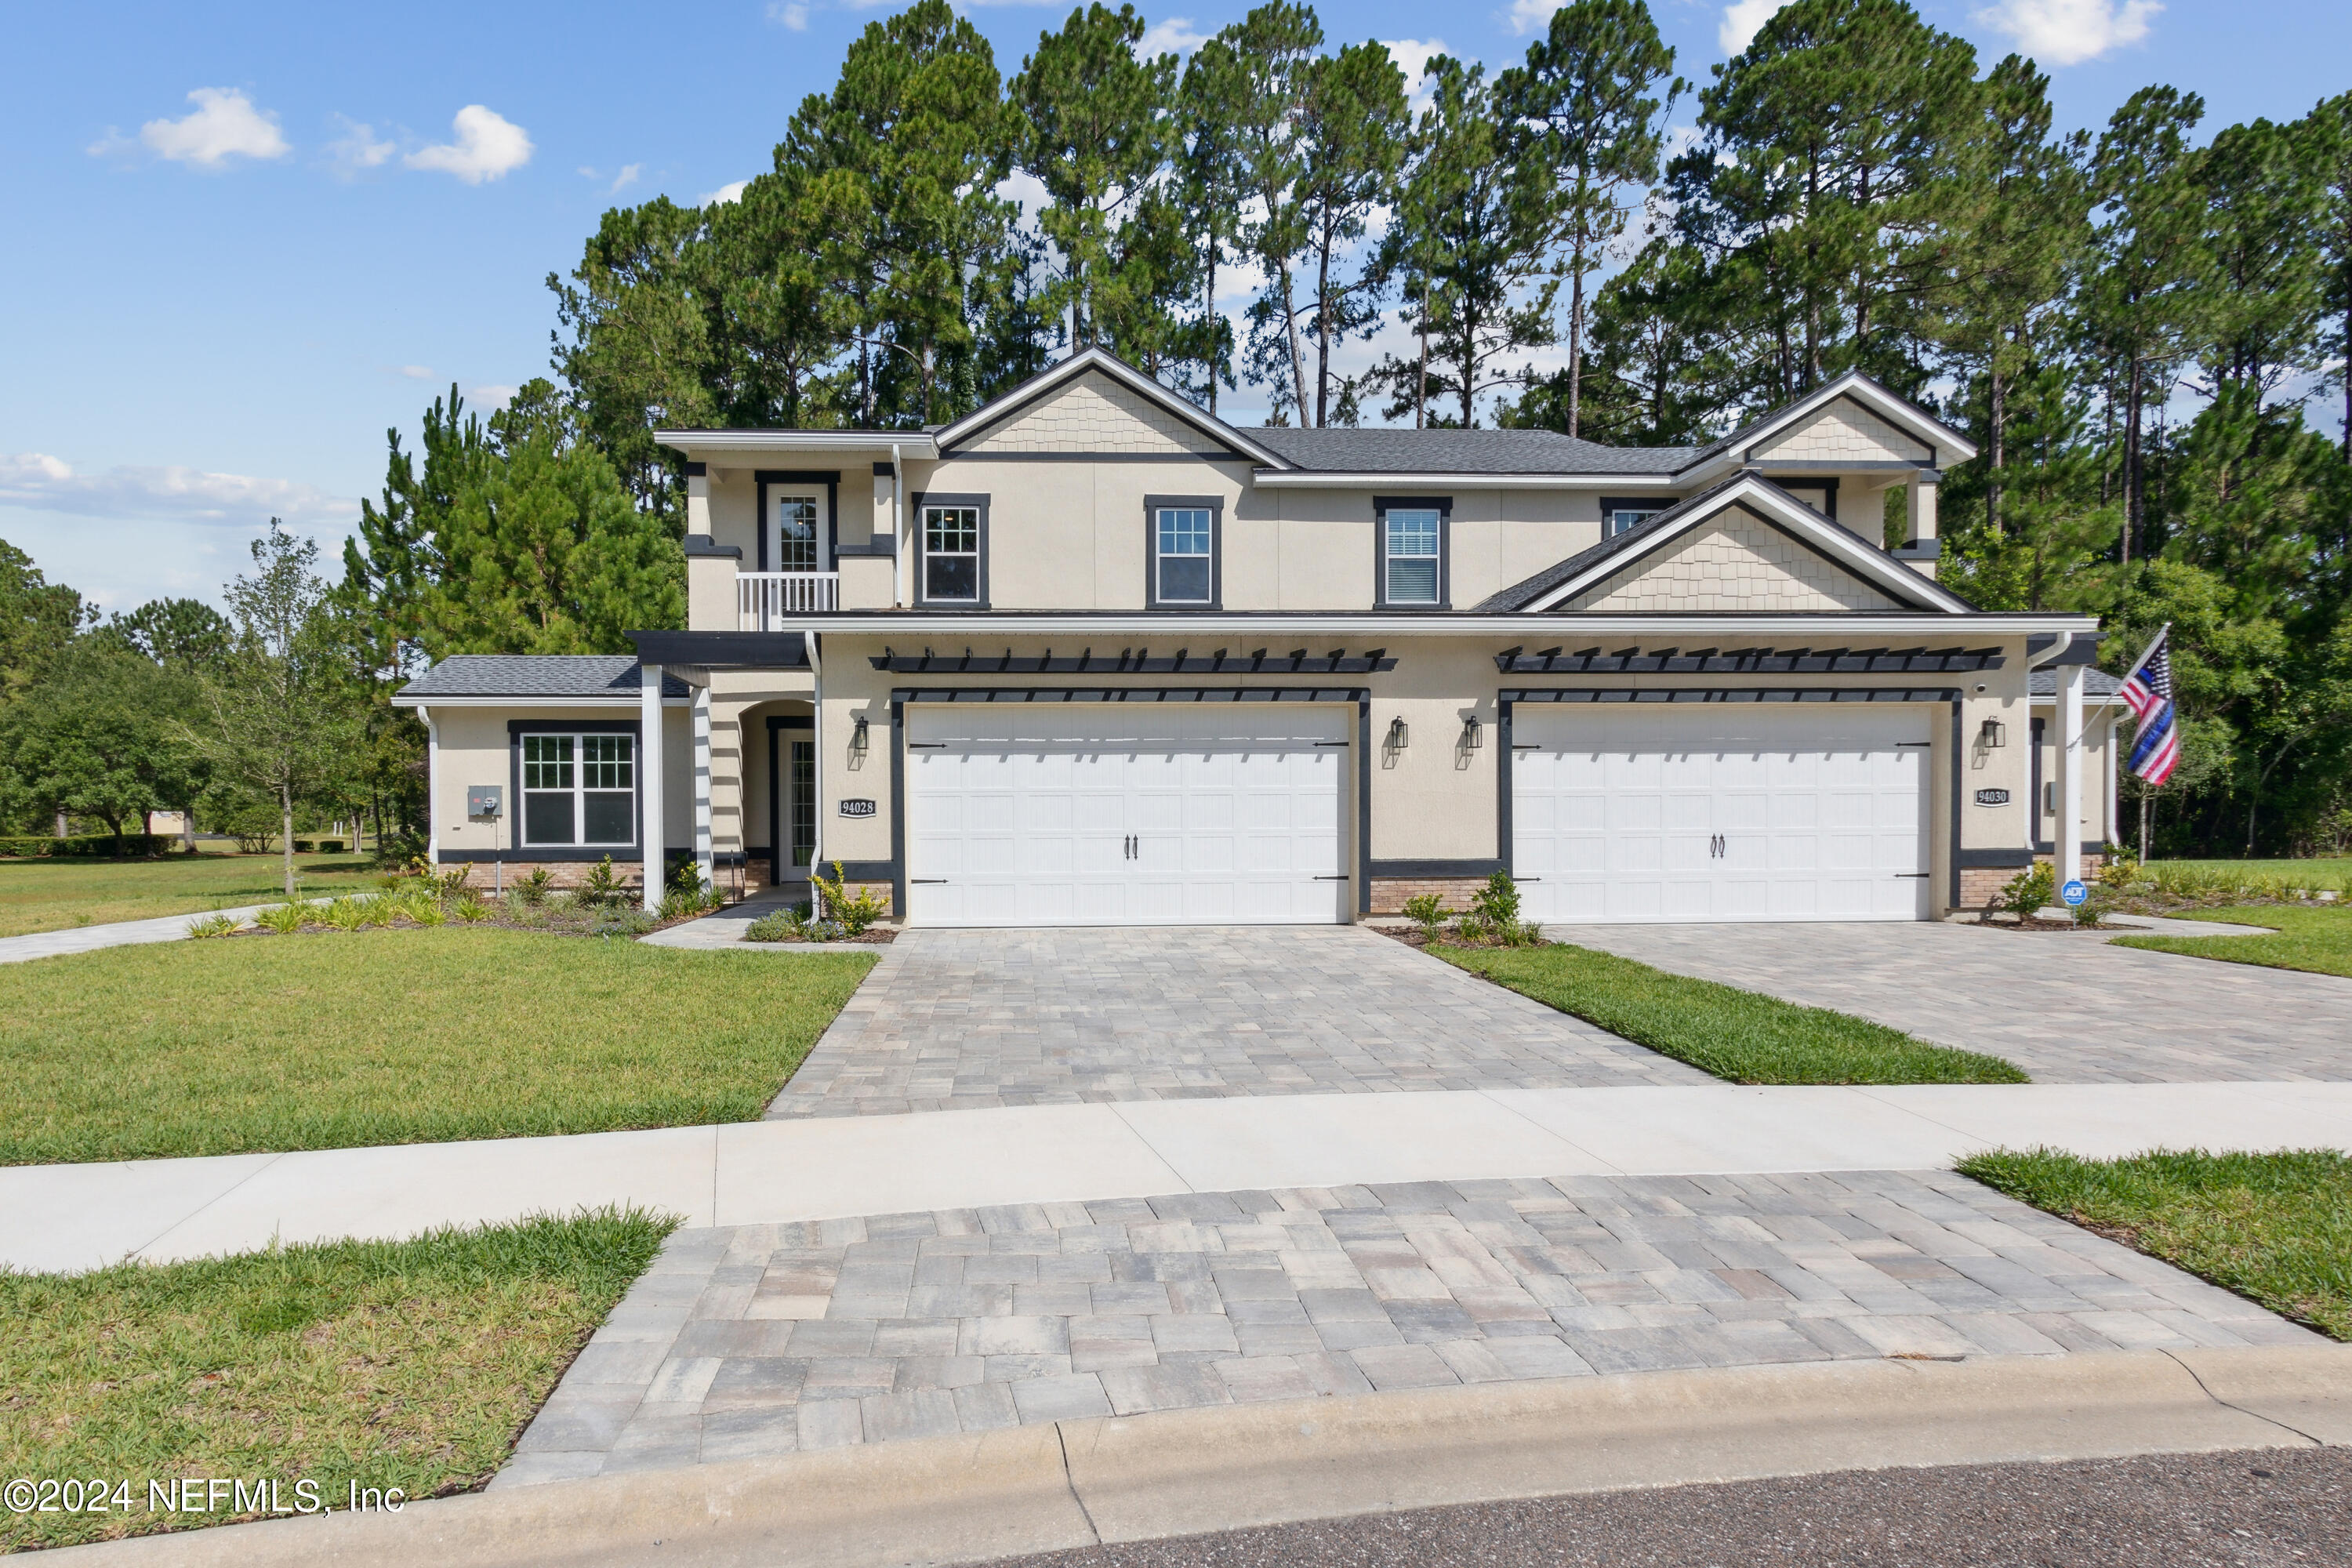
(856, 808)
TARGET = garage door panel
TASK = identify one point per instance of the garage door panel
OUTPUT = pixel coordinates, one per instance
(1716, 814)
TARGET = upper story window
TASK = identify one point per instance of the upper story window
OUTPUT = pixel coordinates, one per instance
(1411, 566)
(579, 789)
(796, 533)
(1181, 539)
(1622, 515)
(955, 549)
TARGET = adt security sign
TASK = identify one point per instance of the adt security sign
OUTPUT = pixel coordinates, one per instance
(2073, 893)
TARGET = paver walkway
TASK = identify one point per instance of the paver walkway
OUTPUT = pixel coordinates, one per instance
(764, 1339)
(2066, 1007)
(954, 1020)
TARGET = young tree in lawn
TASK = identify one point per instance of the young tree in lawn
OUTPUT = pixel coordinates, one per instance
(283, 719)
(1096, 132)
(1596, 133)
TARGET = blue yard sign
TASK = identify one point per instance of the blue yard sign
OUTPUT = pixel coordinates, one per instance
(2073, 893)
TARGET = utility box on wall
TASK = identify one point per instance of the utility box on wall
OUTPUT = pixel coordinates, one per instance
(485, 800)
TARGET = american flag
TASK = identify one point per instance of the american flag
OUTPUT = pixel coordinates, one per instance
(2149, 691)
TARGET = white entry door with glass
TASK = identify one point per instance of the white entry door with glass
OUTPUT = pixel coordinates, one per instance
(796, 571)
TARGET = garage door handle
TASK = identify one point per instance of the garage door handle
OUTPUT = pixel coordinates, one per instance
(1340, 878)
(1330, 742)
(1913, 876)
(927, 745)
(928, 882)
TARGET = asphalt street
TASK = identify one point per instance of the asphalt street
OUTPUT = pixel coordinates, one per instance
(2243, 1510)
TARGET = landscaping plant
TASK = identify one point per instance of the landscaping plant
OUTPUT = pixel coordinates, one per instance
(603, 885)
(1428, 912)
(2029, 893)
(532, 888)
(212, 925)
(853, 915)
(286, 919)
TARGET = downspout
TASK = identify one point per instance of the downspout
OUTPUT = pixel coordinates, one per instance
(816, 740)
(432, 787)
(897, 540)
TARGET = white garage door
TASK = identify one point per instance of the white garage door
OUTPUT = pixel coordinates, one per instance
(1059, 814)
(1720, 812)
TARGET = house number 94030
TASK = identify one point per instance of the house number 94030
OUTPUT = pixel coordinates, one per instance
(1992, 797)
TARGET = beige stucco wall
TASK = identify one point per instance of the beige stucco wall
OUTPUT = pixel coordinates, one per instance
(471, 747)
(2098, 737)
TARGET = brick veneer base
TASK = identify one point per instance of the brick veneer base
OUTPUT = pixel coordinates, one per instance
(1389, 893)
(572, 873)
(1979, 884)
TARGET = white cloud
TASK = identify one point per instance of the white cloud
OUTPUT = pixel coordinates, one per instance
(1025, 189)
(1532, 15)
(626, 177)
(2068, 32)
(488, 147)
(794, 16)
(489, 399)
(1742, 20)
(357, 149)
(732, 191)
(413, 372)
(1176, 35)
(1412, 56)
(44, 483)
(224, 125)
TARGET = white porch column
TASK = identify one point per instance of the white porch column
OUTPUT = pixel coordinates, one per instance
(649, 779)
(432, 789)
(702, 862)
(2066, 833)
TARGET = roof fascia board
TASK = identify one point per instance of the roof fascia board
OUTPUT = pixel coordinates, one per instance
(1325, 480)
(702, 444)
(1156, 625)
(992, 414)
(403, 700)
(1900, 412)
(1824, 537)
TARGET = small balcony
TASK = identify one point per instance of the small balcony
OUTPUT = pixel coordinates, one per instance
(762, 599)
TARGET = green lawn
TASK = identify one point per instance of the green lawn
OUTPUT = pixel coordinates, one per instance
(412, 1364)
(56, 895)
(393, 1036)
(2314, 937)
(1742, 1035)
(2276, 1228)
(2328, 873)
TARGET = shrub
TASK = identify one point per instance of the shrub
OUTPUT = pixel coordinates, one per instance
(532, 890)
(1426, 910)
(678, 906)
(303, 846)
(469, 907)
(686, 877)
(2029, 893)
(212, 925)
(784, 925)
(1497, 904)
(853, 915)
(32, 846)
(331, 846)
(426, 912)
(346, 914)
(602, 886)
(288, 917)
(626, 923)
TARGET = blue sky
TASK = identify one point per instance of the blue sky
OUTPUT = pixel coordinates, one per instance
(250, 238)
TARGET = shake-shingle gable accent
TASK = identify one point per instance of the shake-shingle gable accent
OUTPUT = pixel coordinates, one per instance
(1872, 397)
(959, 436)
(1613, 561)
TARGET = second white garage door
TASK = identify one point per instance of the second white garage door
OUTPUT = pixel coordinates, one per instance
(1122, 815)
(1720, 812)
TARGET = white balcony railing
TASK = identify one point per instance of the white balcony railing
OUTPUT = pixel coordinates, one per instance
(761, 598)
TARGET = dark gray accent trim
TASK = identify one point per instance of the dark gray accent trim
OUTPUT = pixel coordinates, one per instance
(1132, 661)
(829, 478)
(1829, 488)
(1363, 804)
(877, 544)
(1750, 661)
(789, 721)
(1215, 505)
(518, 850)
(724, 650)
(1768, 466)
(558, 855)
(778, 723)
(897, 806)
(2050, 847)
(1485, 868)
(1633, 503)
(915, 504)
(1652, 695)
(1992, 860)
(695, 470)
(885, 470)
(1960, 789)
(2033, 812)
(2083, 650)
(868, 870)
(1919, 550)
(1131, 694)
(1503, 780)
(1445, 508)
(700, 545)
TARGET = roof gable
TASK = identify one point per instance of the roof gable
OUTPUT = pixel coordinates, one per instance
(1844, 431)
(1733, 562)
(1940, 441)
(1094, 396)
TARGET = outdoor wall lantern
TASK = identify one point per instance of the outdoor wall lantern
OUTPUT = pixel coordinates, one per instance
(857, 736)
(1991, 734)
(1470, 733)
(1400, 737)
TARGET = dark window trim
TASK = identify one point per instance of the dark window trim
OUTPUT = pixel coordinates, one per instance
(1633, 503)
(917, 502)
(1396, 869)
(516, 848)
(1215, 507)
(777, 843)
(781, 477)
(1443, 505)
(1796, 485)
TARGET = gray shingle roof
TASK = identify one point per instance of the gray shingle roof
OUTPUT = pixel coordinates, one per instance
(2095, 683)
(1387, 451)
(536, 675)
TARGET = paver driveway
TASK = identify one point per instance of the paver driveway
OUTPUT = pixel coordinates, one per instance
(2067, 1008)
(957, 1020)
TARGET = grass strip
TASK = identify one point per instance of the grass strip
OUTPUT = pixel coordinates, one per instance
(412, 1364)
(394, 1037)
(2317, 940)
(1742, 1035)
(2274, 1227)
(61, 894)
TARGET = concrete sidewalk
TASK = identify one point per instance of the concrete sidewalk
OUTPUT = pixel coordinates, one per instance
(82, 1217)
(117, 934)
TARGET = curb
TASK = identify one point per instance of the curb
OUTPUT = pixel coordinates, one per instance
(982, 1496)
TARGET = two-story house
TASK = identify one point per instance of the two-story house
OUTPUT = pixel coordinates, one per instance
(1090, 655)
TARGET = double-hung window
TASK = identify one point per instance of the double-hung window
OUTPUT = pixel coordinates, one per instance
(579, 789)
(952, 534)
(1181, 534)
(1412, 544)
(1624, 515)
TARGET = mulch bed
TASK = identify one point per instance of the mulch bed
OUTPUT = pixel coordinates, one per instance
(872, 936)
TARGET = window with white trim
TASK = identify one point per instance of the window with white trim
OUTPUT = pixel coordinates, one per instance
(1185, 538)
(579, 790)
(951, 554)
(1411, 555)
